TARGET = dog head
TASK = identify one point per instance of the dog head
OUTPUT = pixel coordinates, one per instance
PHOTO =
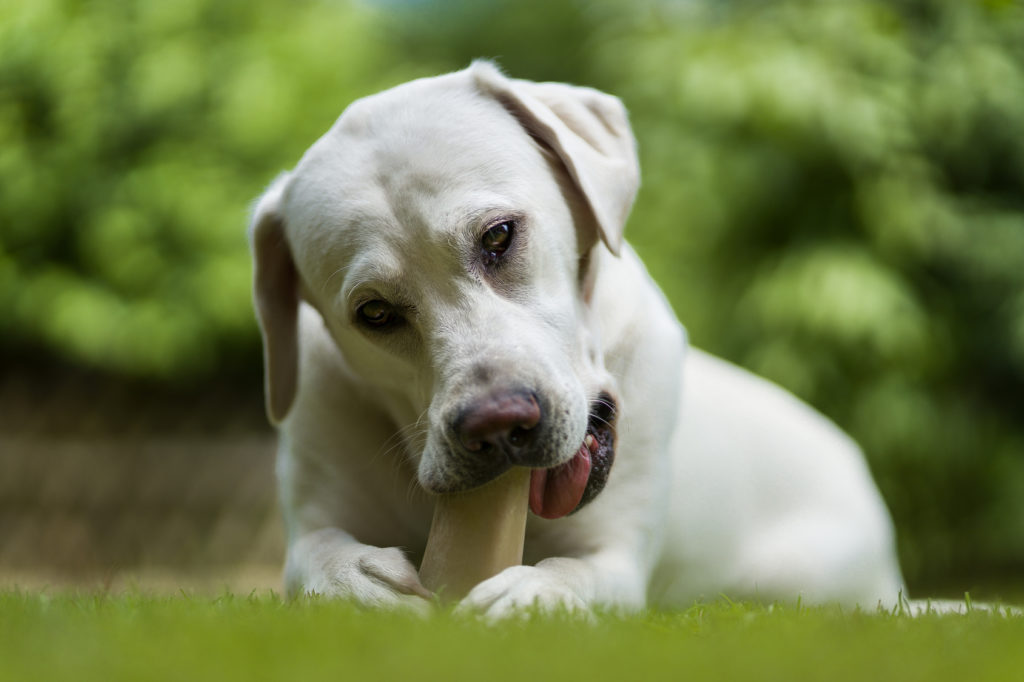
(446, 231)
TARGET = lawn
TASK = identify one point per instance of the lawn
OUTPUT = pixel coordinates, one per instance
(57, 636)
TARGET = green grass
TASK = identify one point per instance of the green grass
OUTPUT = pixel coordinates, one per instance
(44, 637)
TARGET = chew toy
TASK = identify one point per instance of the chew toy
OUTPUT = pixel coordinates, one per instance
(476, 535)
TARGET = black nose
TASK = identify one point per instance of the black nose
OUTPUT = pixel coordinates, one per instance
(505, 421)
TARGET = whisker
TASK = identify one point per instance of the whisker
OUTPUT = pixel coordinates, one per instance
(412, 489)
(327, 281)
(404, 435)
(601, 407)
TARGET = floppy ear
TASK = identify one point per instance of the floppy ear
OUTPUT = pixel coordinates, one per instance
(276, 295)
(590, 133)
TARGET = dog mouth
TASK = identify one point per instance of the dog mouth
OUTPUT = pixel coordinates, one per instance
(566, 488)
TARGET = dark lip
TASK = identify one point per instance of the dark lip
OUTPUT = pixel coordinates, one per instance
(600, 425)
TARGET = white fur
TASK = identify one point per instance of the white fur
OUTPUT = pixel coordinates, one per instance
(722, 483)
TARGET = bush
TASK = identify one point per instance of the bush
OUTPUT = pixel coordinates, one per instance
(134, 135)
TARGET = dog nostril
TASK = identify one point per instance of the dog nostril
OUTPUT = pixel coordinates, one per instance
(501, 421)
(480, 446)
(518, 436)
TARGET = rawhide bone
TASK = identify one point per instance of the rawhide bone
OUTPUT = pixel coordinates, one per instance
(476, 535)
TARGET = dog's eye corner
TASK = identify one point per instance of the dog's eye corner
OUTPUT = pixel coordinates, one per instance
(377, 314)
(497, 240)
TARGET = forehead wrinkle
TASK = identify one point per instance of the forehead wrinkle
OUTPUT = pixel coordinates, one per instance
(332, 246)
(446, 246)
(381, 274)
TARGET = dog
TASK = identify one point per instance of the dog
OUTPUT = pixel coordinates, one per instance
(444, 292)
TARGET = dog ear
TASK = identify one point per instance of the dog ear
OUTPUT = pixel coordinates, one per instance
(588, 130)
(276, 295)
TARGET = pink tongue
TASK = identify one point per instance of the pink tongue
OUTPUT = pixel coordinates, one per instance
(556, 492)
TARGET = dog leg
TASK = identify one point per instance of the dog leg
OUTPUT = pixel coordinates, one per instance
(561, 584)
(330, 563)
(820, 559)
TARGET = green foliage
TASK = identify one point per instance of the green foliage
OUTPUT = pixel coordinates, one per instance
(132, 638)
(832, 196)
(133, 136)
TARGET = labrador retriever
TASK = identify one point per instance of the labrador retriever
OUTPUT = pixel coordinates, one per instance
(444, 292)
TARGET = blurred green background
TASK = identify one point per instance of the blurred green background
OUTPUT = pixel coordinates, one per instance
(833, 196)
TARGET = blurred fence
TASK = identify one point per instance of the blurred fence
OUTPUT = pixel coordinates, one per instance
(101, 484)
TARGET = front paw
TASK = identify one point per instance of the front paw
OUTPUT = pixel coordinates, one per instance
(374, 577)
(522, 590)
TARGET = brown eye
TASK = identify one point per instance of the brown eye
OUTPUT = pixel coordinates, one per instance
(496, 241)
(376, 313)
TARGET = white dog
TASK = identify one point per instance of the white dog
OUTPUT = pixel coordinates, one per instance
(444, 293)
